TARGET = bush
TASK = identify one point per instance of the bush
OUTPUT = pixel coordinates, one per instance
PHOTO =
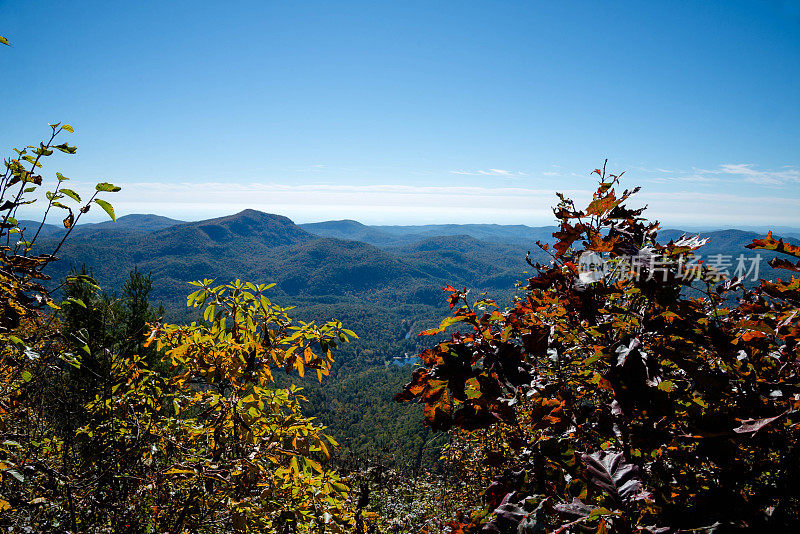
(656, 396)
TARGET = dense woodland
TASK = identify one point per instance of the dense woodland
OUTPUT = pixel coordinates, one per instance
(661, 400)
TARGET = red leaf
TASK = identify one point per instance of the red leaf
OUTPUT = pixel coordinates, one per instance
(770, 243)
(610, 472)
(780, 263)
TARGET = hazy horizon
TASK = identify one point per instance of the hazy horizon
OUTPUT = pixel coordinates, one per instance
(664, 225)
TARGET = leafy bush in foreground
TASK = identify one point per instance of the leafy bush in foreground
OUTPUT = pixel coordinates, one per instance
(636, 402)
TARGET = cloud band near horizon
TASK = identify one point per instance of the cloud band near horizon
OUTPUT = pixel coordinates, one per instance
(413, 204)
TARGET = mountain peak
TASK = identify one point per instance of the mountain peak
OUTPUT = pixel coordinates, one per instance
(277, 229)
(251, 214)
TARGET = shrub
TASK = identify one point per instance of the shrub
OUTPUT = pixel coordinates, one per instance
(659, 397)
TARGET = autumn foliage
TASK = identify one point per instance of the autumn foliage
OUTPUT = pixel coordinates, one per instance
(660, 400)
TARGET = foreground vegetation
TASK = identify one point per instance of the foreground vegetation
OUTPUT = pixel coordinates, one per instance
(663, 399)
(640, 402)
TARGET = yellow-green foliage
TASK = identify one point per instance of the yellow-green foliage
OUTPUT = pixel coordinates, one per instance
(248, 455)
(207, 447)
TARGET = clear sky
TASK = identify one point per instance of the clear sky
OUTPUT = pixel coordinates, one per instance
(414, 112)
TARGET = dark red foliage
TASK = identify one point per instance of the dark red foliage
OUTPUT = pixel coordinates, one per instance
(648, 398)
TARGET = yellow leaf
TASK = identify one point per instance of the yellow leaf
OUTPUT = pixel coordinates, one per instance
(178, 471)
(324, 449)
(314, 465)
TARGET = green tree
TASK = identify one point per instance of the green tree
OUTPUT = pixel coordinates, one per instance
(233, 453)
(139, 314)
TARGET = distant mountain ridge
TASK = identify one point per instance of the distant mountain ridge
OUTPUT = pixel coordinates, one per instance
(332, 261)
(384, 236)
(268, 247)
(134, 222)
(395, 236)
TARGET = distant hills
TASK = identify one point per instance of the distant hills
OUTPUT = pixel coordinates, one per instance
(334, 259)
(394, 236)
(126, 223)
(331, 260)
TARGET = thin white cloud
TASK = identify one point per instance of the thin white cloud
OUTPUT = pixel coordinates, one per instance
(743, 172)
(751, 174)
(654, 170)
(696, 178)
(375, 203)
(497, 172)
(419, 204)
(491, 172)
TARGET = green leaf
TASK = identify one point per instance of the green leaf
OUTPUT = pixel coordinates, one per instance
(61, 177)
(339, 487)
(598, 512)
(107, 207)
(349, 333)
(68, 128)
(79, 302)
(71, 194)
(4, 41)
(64, 147)
(105, 186)
(179, 471)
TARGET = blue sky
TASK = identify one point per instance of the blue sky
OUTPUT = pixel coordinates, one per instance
(415, 112)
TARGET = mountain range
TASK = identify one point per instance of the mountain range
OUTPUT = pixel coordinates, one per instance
(313, 261)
